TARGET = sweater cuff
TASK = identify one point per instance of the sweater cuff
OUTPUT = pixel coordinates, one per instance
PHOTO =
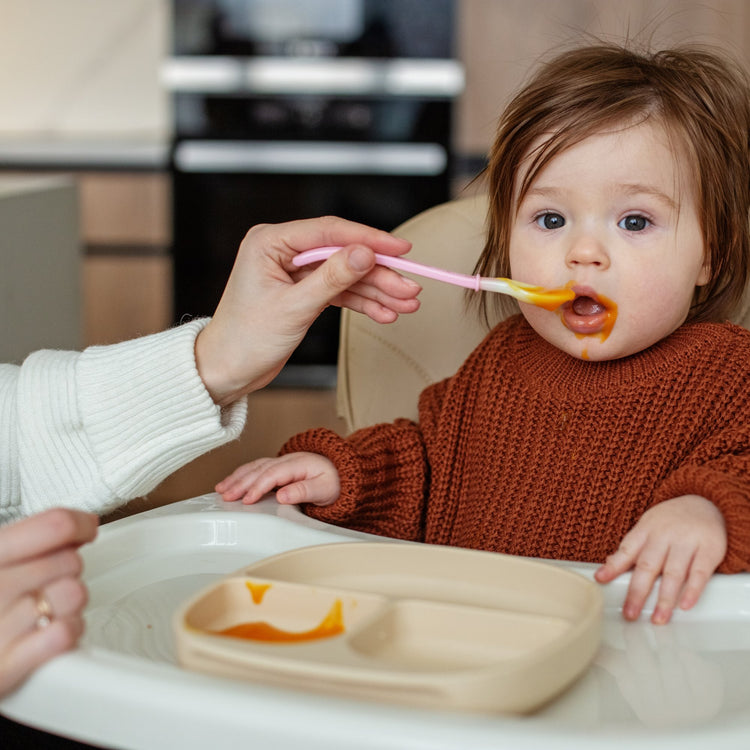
(730, 495)
(382, 488)
(146, 411)
(327, 443)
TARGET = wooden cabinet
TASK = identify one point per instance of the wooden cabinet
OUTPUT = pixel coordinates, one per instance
(126, 232)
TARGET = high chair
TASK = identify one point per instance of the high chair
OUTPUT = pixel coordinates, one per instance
(382, 369)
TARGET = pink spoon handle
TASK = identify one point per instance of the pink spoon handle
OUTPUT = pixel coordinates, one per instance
(549, 299)
(401, 264)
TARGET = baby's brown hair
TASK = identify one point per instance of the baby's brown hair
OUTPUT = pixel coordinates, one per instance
(703, 102)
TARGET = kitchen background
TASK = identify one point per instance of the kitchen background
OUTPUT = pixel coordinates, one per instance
(90, 189)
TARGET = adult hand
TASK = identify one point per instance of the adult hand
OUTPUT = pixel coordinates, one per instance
(41, 593)
(269, 303)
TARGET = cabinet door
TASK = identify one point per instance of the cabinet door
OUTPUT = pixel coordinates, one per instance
(126, 228)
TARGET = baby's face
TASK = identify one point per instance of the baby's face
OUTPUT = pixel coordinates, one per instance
(614, 218)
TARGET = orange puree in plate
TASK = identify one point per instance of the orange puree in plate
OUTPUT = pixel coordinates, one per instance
(332, 624)
(257, 590)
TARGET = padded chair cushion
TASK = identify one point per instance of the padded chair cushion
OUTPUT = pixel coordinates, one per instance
(382, 369)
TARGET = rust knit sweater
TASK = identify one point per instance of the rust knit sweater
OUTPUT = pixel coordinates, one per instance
(529, 451)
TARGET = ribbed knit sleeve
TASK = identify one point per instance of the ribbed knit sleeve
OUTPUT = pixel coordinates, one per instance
(384, 478)
(720, 472)
(92, 430)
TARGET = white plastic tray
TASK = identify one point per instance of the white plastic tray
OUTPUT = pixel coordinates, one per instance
(683, 686)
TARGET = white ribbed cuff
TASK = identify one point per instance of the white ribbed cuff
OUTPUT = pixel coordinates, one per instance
(145, 410)
(55, 465)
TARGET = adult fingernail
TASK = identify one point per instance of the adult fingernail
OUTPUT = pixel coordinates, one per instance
(360, 259)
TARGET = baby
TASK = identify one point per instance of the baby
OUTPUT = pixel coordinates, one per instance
(616, 428)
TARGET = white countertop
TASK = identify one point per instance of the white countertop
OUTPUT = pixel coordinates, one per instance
(23, 152)
(12, 185)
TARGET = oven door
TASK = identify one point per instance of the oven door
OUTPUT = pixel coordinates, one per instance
(223, 187)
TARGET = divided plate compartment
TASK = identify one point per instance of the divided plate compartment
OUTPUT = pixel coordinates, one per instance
(422, 625)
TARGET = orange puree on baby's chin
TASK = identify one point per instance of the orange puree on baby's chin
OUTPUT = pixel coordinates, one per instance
(609, 322)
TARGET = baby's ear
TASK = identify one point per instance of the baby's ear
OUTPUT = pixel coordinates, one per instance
(704, 275)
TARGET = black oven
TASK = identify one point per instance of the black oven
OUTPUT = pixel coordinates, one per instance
(289, 109)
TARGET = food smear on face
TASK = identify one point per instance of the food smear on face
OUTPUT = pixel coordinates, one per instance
(257, 590)
(589, 314)
(331, 625)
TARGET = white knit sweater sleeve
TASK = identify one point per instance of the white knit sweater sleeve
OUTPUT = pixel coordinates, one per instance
(94, 429)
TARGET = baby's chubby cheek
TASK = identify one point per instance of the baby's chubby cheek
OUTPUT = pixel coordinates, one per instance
(654, 313)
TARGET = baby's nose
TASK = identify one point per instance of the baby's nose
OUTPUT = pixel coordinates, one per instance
(587, 249)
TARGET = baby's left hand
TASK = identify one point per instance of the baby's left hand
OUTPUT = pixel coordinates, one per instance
(684, 540)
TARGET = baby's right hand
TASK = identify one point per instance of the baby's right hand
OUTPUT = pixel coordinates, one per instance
(297, 478)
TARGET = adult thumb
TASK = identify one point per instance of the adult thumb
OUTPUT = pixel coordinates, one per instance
(339, 272)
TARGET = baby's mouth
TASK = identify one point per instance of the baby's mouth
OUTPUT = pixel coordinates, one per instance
(589, 313)
(586, 305)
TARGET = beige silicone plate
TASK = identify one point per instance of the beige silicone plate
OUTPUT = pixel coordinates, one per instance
(424, 625)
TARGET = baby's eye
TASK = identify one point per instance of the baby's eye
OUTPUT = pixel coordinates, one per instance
(634, 223)
(550, 220)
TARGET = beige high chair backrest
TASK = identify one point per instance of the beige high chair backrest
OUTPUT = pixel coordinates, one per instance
(382, 369)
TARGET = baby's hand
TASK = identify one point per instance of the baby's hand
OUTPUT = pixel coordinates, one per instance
(298, 477)
(684, 540)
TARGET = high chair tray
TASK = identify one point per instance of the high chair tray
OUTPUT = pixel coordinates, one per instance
(683, 686)
(418, 625)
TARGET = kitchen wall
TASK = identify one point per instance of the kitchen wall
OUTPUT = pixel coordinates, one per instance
(83, 68)
(89, 68)
(501, 40)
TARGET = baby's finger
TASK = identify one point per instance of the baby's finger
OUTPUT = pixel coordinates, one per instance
(649, 564)
(235, 485)
(276, 473)
(622, 560)
(317, 490)
(702, 568)
(241, 472)
(674, 574)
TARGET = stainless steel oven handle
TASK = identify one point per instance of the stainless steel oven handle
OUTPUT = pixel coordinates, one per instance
(325, 158)
(433, 78)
